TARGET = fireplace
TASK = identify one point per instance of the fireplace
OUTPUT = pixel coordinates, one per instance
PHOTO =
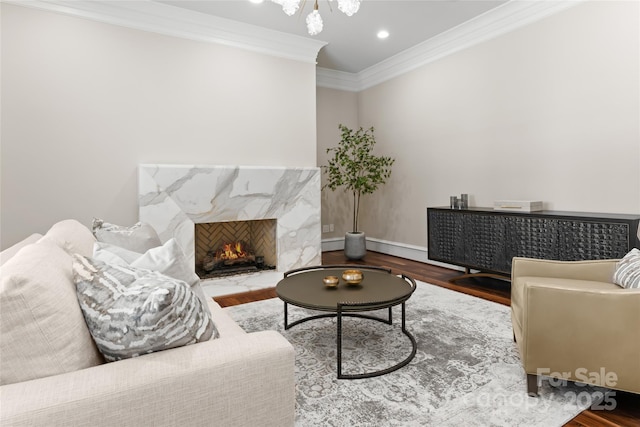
(235, 247)
(175, 198)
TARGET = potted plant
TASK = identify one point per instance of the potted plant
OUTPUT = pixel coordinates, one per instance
(358, 171)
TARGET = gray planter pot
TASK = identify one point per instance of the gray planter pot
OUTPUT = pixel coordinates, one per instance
(355, 245)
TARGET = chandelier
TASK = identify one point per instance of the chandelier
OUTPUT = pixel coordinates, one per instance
(314, 20)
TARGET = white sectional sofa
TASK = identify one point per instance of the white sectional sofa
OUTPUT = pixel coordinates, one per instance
(238, 379)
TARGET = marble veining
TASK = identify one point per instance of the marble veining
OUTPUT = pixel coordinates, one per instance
(173, 198)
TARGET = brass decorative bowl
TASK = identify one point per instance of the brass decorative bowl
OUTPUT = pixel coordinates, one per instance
(331, 281)
(352, 277)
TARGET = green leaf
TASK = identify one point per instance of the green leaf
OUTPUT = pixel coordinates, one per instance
(355, 168)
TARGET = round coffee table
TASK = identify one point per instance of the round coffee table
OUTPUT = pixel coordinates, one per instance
(379, 289)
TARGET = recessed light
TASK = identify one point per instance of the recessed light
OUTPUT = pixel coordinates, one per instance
(383, 34)
(256, 1)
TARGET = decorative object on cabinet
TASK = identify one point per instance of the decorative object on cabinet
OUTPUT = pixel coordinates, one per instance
(517, 205)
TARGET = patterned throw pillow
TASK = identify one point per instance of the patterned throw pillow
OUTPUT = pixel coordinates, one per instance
(140, 237)
(627, 272)
(131, 311)
(168, 259)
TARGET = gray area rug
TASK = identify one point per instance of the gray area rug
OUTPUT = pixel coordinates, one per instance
(466, 372)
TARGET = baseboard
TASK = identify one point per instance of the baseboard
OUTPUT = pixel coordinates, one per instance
(333, 244)
(402, 250)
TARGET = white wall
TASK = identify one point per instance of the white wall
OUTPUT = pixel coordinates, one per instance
(548, 112)
(83, 103)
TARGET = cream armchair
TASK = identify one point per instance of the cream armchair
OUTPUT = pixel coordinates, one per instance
(571, 321)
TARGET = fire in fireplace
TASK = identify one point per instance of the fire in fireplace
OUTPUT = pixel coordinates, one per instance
(232, 258)
(235, 247)
(235, 253)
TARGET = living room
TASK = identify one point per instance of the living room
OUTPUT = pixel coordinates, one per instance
(540, 113)
(548, 111)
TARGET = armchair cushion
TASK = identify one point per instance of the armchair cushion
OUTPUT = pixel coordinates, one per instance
(627, 272)
(132, 311)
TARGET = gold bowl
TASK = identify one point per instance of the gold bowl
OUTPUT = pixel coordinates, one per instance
(352, 277)
(331, 281)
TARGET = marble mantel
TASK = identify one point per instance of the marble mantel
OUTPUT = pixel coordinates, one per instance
(173, 198)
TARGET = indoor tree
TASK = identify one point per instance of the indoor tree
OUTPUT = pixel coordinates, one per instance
(354, 167)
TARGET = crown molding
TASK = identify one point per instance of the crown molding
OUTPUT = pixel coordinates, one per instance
(341, 80)
(169, 20)
(148, 15)
(496, 22)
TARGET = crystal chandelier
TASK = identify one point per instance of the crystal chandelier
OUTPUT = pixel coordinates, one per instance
(314, 20)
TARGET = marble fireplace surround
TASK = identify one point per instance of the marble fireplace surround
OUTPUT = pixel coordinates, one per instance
(173, 198)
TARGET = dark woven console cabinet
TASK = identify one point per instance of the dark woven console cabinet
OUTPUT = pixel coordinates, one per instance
(487, 240)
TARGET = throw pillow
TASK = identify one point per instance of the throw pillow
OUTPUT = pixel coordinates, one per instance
(131, 311)
(71, 236)
(8, 253)
(627, 273)
(140, 237)
(168, 259)
(113, 254)
(42, 330)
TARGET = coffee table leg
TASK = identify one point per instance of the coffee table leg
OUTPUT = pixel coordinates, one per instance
(339, 339)
(414, 345)
(286, 317)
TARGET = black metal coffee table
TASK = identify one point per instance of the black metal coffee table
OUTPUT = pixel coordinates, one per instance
(379, 289)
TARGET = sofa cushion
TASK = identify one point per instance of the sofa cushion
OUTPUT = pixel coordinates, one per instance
(42, 330)
(71, 236)
(627, 273)
(132, 311)
(140, 237)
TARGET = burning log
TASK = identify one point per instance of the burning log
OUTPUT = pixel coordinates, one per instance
(228, 254)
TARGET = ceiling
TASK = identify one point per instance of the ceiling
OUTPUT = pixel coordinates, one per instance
(352, 43)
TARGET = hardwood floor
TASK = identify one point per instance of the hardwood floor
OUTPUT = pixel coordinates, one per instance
(627, 411)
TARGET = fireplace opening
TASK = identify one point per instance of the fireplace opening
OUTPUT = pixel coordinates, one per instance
(235, 247)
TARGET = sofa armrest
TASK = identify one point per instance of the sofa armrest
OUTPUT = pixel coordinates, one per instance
(594, 270)
(239, 381)
(567, 329)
